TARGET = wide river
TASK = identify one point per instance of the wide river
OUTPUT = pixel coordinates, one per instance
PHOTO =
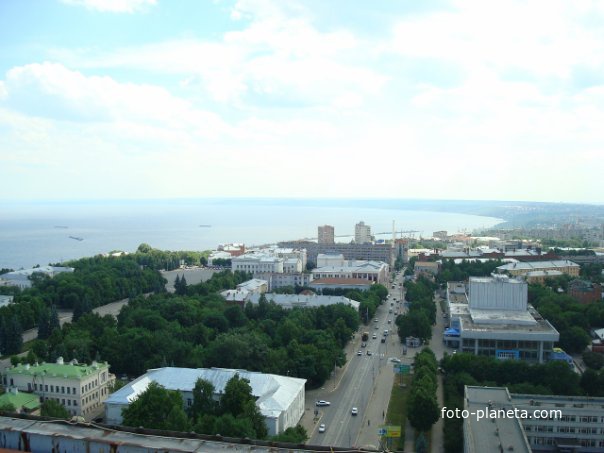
(42, 233)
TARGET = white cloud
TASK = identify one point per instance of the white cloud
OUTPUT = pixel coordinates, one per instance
(51, 90)
(112, 6)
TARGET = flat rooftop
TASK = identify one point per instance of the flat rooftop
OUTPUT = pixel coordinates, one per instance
(503, 324)
(492, 434)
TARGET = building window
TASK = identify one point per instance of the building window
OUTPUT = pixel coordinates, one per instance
(45, 387)
(68, 390)
(52, 389)
(62, 389)
(74, 392)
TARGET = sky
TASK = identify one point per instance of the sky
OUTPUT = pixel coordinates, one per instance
(132, 99)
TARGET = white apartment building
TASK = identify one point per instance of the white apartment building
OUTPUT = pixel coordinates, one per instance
(80, 388)
(362, 233)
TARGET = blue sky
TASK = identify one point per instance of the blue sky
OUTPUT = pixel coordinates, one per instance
(343, 98)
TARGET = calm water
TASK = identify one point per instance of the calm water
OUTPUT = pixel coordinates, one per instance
(29, 233)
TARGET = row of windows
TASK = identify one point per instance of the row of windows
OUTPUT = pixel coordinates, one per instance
(552, 441)
(63, 401)
(52, 388)
(563, 429)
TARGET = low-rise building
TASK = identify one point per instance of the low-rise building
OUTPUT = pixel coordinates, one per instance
(256, 263)
(520, 269)
(360, 284)
(585, 292)
(80, 388)
(427, 267)
(279, 280)
(375, 271)
(304, 301)
(24, 403)
(243, 290)
(22, 277)
(532, 423)
(280, 399)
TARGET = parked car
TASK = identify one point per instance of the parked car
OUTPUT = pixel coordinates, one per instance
(354, 411)
(360, 353)
(369, 352)
(374, 336)
(322, 428)
(395, 360)
(322, 403)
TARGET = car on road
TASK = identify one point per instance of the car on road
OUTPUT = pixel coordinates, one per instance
(376, 320)
(374, 336)
(377, 327)
(322, 403)
(395, 360)
(369, 352)
(363, 345)
(354, 411)
(390, 321)
(322, 428)
(383, 340)
(360, 353)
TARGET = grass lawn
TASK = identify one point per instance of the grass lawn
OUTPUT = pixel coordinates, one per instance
(397, 409)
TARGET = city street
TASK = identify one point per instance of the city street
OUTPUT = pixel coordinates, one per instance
(365, 383)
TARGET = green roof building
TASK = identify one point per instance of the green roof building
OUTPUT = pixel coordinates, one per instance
(27, 403)
(80, 388)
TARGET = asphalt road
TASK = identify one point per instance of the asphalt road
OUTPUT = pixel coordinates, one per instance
(365, 384)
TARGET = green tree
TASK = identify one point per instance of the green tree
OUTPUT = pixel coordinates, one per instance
(237, 393)
(156, 408)
(293, 435)
(7, 407)
(13, 339)
(203, 399)
(54, 322)
(422, 409)
(52, 408)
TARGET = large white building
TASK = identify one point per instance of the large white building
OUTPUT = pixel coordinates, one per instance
(497, 321)
(562, 423)
(362, 233)
(280, 399)
(257, 262)
(80, 388)
(375, 271)
(271, 259)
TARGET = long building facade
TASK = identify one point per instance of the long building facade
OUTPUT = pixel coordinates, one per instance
(80, 388)
(553, 423)
(280, 399)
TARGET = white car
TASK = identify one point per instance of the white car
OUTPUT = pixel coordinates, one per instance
(322, 428)
(354, 411)
(360, 353)
(322, 403)
(374, 336)
(395, 360)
